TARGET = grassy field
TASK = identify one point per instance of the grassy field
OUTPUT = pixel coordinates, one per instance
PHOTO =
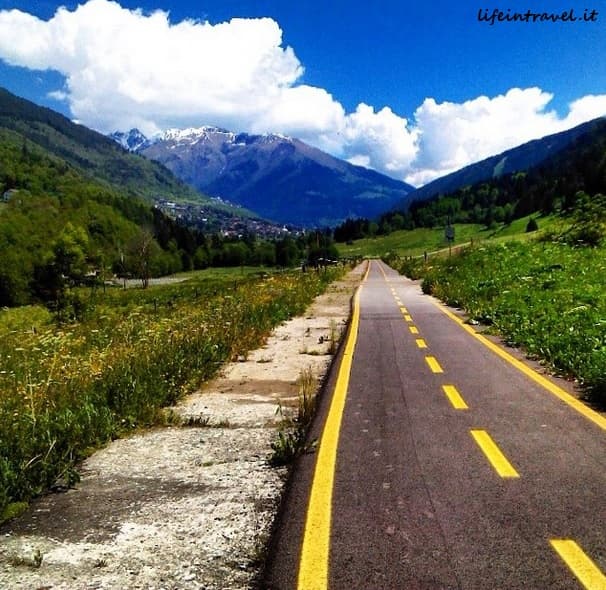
(547, 297)
(69, 388)
(416, 242)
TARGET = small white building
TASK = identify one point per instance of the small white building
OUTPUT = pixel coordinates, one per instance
(7, 195)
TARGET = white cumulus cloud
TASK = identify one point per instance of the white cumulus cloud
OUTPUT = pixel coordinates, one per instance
(453, 135)
(127, 68)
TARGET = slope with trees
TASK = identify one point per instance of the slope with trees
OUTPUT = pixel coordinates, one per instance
(556, 185)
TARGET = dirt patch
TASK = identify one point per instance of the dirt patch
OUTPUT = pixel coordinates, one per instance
(181, 507)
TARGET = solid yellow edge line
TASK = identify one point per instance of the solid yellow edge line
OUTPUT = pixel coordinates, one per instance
(581, 566)
(313, 565)
(564, 396)
(454, 397)
(494, 455)
(434, 365)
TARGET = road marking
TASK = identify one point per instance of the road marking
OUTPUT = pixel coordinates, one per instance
(434, 365)
(455, 398)
(421, 343)
(313, 565)
(403, 309)
(501, 465)
(581, 566)
(383, 273)
(568, 399)
(413, 329)
(407, 317)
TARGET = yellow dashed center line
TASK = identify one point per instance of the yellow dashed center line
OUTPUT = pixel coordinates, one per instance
(581, 566)
(413, 329)
(458, 403)
(434, 365)
(403, 309)
(407, 317)
(501, 465)
(421, 343)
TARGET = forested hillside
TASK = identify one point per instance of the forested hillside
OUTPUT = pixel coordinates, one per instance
(60, 229)
(552, 186)
(57, 227)
(559, 184)
(93, 154)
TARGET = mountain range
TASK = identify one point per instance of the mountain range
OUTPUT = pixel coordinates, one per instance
(280, 178)
(521, 158)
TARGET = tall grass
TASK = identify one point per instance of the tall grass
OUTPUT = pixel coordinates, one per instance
(65, 390)
(549, 298)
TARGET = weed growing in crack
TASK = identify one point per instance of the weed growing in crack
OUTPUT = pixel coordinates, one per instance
(33, 561)
(307, 398)
(196, 421)
(333, 337)
(290, 441)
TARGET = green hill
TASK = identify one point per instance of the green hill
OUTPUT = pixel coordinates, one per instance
(73, 203)
(552, 186)
(89, 152)
(559, 186)
(57, 226)
(524, 157)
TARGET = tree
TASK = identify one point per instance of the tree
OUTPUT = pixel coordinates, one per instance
(287, 252)
(235, 254)
(141, 249)
(70, 253)
(14, 289)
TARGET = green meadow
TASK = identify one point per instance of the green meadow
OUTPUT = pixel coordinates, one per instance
(68, 387)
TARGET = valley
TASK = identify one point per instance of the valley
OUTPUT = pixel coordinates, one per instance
(84, 361)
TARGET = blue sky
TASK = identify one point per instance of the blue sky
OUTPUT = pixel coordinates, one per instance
(414, 90)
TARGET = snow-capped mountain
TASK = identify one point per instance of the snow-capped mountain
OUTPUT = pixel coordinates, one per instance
(278, 177)
(132, 140)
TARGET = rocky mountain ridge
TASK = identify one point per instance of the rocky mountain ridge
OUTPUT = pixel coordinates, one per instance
(279, 177)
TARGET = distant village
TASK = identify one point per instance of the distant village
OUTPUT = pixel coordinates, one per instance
(213, 220)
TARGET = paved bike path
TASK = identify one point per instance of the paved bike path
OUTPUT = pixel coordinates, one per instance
(453, 468)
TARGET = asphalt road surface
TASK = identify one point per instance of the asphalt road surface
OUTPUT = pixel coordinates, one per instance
(444, 463)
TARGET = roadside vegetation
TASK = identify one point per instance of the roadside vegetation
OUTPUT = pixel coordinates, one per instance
(547, 295)
(68, 387)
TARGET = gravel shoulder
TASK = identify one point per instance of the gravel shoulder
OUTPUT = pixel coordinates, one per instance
(184, 507)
